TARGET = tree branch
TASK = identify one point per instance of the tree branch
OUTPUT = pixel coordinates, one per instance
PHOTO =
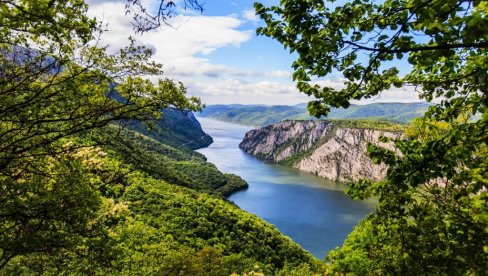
(481, 45)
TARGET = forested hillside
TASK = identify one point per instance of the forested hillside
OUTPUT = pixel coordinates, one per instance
(260, 115)
(431, 217)
(158, 210)
(178, 128)
(97, 171)
(81, 192)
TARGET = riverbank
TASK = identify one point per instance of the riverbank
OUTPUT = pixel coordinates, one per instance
(312, 211)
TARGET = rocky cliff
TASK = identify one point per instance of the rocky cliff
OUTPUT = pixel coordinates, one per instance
(327, 149)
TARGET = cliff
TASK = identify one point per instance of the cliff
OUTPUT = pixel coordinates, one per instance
(329, 149)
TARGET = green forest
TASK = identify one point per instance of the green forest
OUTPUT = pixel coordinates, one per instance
(142, 207)
(97, 169)
(98, 173)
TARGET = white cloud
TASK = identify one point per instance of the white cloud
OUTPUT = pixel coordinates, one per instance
(242, 88)
(183, 49)
(227, 91)
(250, 15)
(207, 69)
(334, 83)
(406, 94)
(178, 46)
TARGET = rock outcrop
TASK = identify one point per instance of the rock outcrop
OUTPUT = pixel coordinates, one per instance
(320, 147)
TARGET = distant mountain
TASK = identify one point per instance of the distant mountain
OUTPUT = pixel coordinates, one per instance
(253, 115)
(261, 115)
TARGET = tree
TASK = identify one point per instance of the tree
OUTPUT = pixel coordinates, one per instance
(57, 83)
(146, 20)
(432, 214)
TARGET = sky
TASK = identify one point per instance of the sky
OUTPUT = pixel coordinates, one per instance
(217, 55)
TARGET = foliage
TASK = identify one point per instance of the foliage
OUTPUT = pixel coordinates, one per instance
(149, 226)
(301, 270)
(356, 256)
(233, 183)
(371, 124)
(79, 194)
(55, 83)
(40, 213)
(181, 166)
(432, 213)
(176, 127)
(332, 37)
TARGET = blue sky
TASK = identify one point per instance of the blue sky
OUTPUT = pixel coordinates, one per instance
(217, 55)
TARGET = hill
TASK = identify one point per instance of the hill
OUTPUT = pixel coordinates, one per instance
(178, 128)
(259, 115)
(152, 209)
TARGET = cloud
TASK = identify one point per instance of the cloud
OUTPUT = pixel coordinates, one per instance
(184, 49)
(337, 83)
(243, 88)
(222, 71)
(405, 94)
(182, 46)
(227, 91)
(250, 15)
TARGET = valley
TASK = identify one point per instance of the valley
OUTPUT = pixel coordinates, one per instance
(225, 138)
(312, 210)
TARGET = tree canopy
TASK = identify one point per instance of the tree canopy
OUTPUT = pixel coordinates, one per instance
(56, 82)
(432, 215)
(80, 193)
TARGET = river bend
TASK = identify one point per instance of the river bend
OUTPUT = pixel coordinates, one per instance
(312, 211)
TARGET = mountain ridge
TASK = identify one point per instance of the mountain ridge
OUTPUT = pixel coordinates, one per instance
(258, 116)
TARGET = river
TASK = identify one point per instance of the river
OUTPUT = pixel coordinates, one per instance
(312, 211)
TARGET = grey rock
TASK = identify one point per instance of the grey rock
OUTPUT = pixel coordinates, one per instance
(320, 147)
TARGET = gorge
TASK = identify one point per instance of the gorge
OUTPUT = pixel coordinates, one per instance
(312, 210)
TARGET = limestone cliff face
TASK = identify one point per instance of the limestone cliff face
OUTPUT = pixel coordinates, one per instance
(319, 147)
(286, 138)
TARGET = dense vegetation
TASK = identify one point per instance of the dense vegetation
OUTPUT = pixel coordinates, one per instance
(433, 212)
(159, 210)
(80, 194)
(260, 115)
(176, 127)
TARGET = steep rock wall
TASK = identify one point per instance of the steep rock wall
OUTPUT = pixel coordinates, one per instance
(319, 147)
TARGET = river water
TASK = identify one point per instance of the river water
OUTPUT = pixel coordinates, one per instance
(312, 211)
